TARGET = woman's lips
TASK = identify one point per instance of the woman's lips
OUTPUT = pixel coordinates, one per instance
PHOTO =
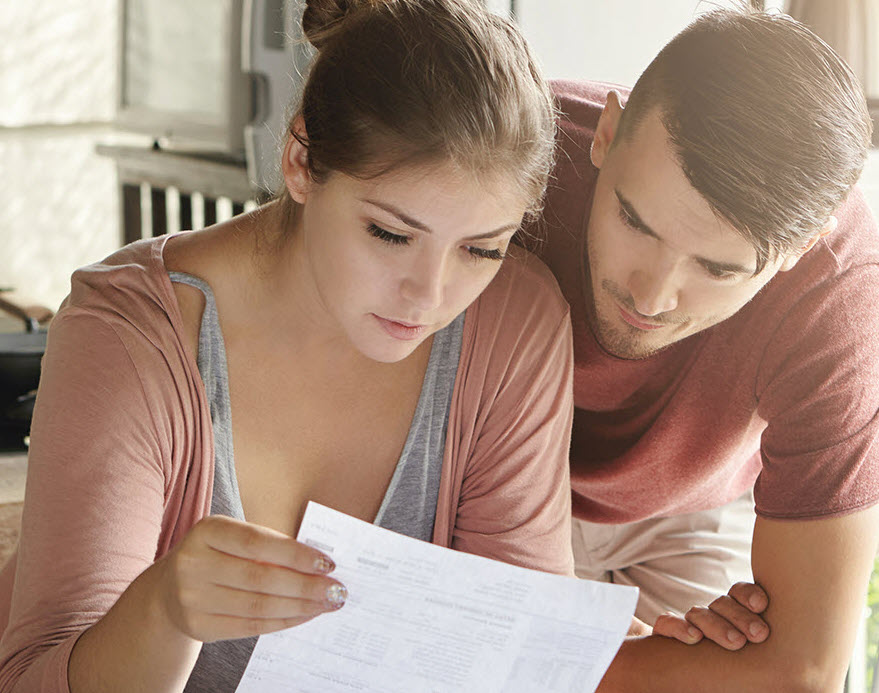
(401, 330)
(635, 322)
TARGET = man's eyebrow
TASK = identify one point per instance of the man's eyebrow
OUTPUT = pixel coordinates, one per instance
(633, 217)
(415, 224)
(638, 223)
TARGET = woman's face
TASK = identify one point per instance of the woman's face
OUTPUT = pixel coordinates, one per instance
(394, 259)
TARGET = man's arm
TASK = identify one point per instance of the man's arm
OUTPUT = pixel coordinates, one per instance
(816, 573)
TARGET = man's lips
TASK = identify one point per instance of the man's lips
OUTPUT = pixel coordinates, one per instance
(400, 330)
(637, 322)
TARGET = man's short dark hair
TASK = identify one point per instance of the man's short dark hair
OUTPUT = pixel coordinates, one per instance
(769, 124)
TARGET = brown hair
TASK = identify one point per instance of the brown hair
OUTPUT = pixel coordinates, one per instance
(420, 81)
(769, 124)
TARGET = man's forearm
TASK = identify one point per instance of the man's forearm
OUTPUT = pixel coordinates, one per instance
(661, 665)
(815, 573)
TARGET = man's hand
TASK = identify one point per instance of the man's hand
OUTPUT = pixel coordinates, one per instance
(730, 621)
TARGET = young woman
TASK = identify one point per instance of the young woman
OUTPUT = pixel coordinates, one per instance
(369, 340)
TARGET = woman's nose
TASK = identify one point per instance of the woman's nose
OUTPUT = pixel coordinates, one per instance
(423, 285)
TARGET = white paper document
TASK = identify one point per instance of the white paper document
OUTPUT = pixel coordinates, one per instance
(424, 619)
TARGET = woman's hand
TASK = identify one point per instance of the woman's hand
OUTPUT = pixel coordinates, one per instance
(232, 579)
(730, 621)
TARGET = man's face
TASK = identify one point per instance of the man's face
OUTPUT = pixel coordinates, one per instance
(662, 265)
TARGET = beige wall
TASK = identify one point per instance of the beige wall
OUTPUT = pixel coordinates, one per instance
(612, 41)
(58, 201)
(870, 180)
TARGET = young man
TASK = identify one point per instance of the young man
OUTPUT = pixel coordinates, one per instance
(724, 283)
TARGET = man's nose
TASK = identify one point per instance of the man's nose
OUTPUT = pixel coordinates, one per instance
(654, 291)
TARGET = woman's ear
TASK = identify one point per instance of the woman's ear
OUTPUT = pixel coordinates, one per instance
(294, 164)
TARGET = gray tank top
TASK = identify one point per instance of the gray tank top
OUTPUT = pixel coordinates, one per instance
(409, 504)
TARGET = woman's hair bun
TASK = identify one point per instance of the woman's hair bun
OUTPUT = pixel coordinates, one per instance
(322, 17)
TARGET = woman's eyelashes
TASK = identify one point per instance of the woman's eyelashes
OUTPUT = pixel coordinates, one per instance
(397, 239)
(387, 236)
(485, 254)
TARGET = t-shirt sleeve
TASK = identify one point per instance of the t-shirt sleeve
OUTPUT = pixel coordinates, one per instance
(515, 498)
(817, 390)
(94, 500)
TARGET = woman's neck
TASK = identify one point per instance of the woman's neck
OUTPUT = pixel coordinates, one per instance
(280, 295)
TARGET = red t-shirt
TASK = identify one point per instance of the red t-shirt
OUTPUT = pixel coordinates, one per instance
(785, 393)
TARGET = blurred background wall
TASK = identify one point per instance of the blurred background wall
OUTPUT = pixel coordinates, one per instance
(59, 206)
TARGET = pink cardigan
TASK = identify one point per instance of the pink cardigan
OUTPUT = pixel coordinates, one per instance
(121, 458)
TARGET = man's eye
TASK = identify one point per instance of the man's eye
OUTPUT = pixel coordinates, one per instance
(387, 236)
(628, 220)
(717, 273)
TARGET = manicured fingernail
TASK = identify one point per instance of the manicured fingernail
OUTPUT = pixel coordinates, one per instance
(734, 636)
(324, 565)
(755, 601)
(336, 595)
(692, 632)
(756, 629)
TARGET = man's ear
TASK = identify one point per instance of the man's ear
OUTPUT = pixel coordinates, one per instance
(791, 260)
(606, 129)
(294, 164)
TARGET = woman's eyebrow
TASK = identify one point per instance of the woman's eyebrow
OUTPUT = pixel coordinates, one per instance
(415, 224)
(402, 216)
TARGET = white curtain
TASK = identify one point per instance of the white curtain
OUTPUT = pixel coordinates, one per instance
(851, 27)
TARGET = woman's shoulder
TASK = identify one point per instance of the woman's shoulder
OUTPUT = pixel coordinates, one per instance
(523, 293)
(124, 282)
(140, 270)
(211, 252)
(117, 332)
(519, 320)
(134, 282)
(127, 296)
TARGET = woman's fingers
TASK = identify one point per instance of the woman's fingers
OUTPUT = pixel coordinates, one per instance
(232, 579)
(225, 601)
(257, 543)
(266, 578)
(290, 596)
